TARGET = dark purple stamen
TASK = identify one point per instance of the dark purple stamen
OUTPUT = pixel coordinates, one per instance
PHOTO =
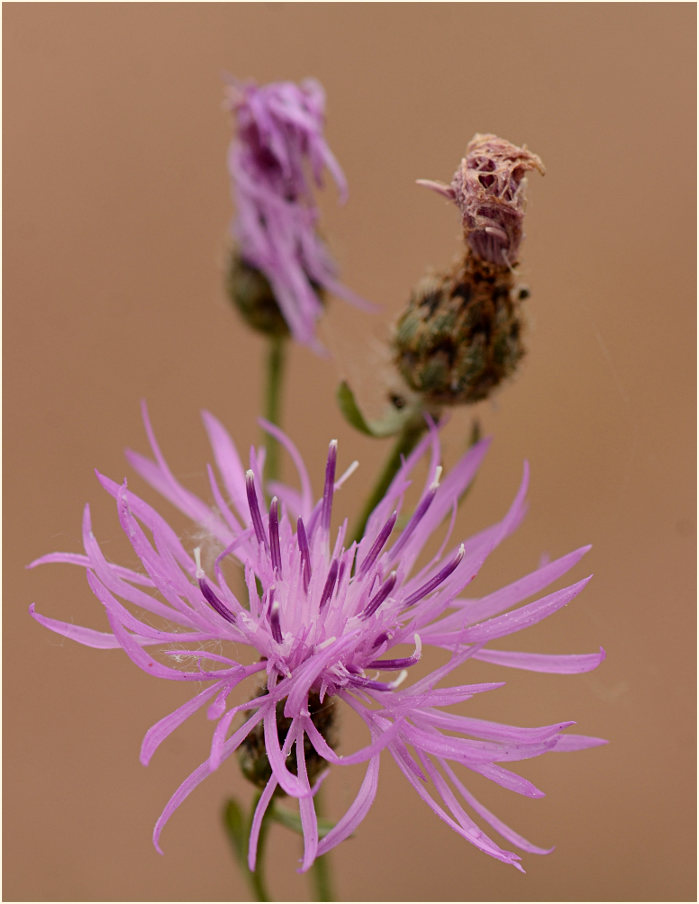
(436, 580)
(380, 639)
(215, 602)
(272, 609)
(329, 584)
(393, 663)
(341, 572)
(274, 536)
(305, 553)
(255, 509)
(417, 516)
(383, 592)
(275, 625)
(378, 545)
(326, 510)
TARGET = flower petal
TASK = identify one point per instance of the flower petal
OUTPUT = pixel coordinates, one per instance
(162, 729)
(561, 664)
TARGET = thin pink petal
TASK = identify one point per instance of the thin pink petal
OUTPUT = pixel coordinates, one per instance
(194, 779)
(309, 821)
(100, 640)
(561, 664)
(524, 617)
(355, 814)
(162, 729)
(499, 826)
(256, 825)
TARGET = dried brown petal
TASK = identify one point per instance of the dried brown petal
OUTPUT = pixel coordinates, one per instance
(489, 190)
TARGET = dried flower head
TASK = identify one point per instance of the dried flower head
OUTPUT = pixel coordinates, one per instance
(461, 333)
(489, 190)
(326, 622)
(276, 161)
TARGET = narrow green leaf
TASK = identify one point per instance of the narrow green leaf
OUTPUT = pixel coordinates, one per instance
(350, 409)
(236, 825)
(388, 426)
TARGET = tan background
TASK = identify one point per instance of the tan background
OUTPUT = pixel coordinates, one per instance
(116, 211)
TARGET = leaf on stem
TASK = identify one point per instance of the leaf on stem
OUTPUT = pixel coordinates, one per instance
(390, 425)
(236, 825)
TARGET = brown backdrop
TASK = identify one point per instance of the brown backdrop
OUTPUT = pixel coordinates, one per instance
(116, 211)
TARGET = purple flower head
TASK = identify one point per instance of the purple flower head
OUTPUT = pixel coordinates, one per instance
(275, 161)
(489, 190)
(327, 622)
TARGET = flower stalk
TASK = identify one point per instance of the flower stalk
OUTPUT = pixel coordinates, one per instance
(320, 872)
(406, 441)
(276, 359)
(238, 830)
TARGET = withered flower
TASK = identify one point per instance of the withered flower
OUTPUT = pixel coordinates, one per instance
(460, 335)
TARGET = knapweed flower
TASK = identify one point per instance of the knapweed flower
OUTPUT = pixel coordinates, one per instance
(322, 619)
(280, 263)
(461, 333)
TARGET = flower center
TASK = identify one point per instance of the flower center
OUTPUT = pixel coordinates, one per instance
(252, 754)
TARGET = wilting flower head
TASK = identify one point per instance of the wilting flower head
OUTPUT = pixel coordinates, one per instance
(322, 619)
(460, 336)
(489, 190)
(277, 158)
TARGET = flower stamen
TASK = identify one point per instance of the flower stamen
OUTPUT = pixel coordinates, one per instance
(255, 509)
(216, 604)
(417, 516)
(326, 510)
(329, 584)
(274, 536)
(274, 619)
(436, 579)
(377, 545)
(399, 663)
(302, 540)
(383, 592)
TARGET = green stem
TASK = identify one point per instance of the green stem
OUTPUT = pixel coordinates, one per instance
(257, 879)
(276, 354)
(405, 443)
(238, 830)
(322, 885)
(320, 871)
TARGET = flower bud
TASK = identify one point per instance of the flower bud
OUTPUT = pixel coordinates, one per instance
(461, 334)
(253, 297)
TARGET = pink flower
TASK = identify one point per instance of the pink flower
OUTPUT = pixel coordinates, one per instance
(278, 156)
(322, 618)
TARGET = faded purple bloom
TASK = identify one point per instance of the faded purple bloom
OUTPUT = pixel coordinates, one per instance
(324, 621)
(488, 188)
(275, 161)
